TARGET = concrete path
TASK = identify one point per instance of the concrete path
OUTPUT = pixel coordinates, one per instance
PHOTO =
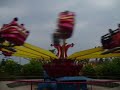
(104, 88)
(3, 86)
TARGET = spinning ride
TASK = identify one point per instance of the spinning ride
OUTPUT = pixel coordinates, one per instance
(12, 43)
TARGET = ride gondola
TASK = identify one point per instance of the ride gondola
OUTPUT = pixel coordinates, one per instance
(14, 33)
(66, 22)
(111, 40)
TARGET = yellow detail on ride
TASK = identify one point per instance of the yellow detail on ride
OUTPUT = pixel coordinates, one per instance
(32, 52)
(3, 49)
(98, 55)
(6, 43)
(40, 50)
(67, 17)
(24, 56)
(85, 52)
(28, 55)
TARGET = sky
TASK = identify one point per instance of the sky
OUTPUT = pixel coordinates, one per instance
(93, 19)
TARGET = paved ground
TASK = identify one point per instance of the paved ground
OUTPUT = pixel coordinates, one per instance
(104, 88)
(3, 86)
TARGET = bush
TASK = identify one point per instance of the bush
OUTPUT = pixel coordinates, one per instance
(111, 68)
(107, 69)
(88, 70)
(99, 70)
(10, 67)
(34, 68)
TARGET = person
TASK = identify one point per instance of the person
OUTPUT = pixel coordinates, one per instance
(111, 31)
(118, 27)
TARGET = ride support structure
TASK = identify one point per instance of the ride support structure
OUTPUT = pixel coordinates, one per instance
(62, 49)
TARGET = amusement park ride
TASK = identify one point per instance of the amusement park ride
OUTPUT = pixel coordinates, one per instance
(12, 43)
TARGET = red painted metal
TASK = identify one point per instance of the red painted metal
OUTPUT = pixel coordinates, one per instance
(111, 40)
(66, 48)
(59, 49)
(62, 67)
(62, 49)
(14, 32)
(5, 53)
(66, 22)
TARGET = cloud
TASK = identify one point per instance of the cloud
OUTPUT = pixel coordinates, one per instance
(103, 4)
(63, 5)
(11, 12)
(93, 19)
(3, 2)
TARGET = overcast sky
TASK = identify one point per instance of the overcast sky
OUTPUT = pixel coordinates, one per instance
(93, 19)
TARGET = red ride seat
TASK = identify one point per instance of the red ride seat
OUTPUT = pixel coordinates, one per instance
(66, 23)
(111, 40)
(14, 33)
(5, 53)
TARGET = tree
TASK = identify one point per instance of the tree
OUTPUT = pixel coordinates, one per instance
(34, 68)
(88, 70)
(2, 62)
(109, 68)
(10, 67)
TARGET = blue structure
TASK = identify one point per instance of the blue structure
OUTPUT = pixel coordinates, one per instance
(54, 84)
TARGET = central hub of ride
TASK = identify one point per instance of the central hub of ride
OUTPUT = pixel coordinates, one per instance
(62, 66)
(62, 49)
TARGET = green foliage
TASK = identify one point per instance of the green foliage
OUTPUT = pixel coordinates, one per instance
(99, 70)
(108, 68)
(34, 68)
(88, 70)
(10, 67)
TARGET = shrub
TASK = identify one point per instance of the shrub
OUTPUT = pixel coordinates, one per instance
(88, 70)
(34, 68)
